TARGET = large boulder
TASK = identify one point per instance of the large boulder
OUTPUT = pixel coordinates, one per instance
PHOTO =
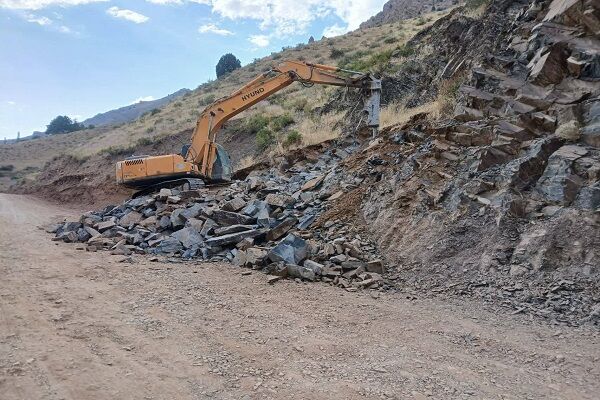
(559, 183)
(291, 250)
(189, 237)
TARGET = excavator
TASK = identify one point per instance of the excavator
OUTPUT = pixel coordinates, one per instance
(204, 160)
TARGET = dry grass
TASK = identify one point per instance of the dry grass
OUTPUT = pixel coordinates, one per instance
(398, 114)
(245, 162)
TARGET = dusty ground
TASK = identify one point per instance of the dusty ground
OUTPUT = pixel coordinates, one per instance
(77, 325)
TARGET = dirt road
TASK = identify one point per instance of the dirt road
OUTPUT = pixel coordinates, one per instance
(78, 325)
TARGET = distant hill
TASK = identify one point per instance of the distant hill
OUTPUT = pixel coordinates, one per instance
(398, 10)
(133, 111)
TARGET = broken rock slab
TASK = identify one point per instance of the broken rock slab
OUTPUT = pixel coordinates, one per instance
(230, 218)
(232, 238)
(189, 237)
(291, 250)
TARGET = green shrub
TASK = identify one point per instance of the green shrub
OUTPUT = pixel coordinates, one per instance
(154, 111)
(280, 122)
(389, 40)
(177, 104)
(292, 137)
(404, 51)
(150, 130)
(207, 100)
(256, 123)
(474, 4)
(144, 142)
(298, 105)
(336, 53)
(264, 138)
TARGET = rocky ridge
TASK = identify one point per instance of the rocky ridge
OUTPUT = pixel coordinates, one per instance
(398, 10)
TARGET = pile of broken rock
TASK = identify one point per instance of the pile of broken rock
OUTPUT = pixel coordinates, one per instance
(252, 223)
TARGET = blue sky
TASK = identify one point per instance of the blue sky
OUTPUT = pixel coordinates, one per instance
(81, 57)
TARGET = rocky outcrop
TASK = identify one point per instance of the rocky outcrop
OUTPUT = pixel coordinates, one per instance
(398, 10)
(501, 201)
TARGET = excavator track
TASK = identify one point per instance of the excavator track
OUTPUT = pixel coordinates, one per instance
(180, 184)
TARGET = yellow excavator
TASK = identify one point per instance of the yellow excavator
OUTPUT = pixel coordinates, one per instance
(203, 160)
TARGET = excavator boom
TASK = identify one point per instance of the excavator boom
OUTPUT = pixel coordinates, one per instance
(204, 158)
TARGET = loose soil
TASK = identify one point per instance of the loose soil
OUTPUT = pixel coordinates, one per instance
(80, 325)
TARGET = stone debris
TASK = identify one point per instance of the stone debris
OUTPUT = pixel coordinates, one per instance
(263, 222)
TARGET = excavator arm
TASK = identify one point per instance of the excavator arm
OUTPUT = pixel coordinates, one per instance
(203, 150)
(204, 159)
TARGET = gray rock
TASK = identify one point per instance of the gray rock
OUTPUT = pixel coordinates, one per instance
(353, 264)
(255, 256)
(232, 238)
(230, 218)
(376, 266)
(297, 271)
(282, 228)
(176, 219)
(591, 123)
(233, 229)
(83, 235)
(91, 231)
(195, 223)
(164, 222)
(189, 237)
(191, 212)
(131, 218)
(208, 226)
(306, 221)
(291, 250)
(71, 226)
(235, 204)
(169, 245)
(279, 200)
(105, 225)
(314, 266)
(559, 183)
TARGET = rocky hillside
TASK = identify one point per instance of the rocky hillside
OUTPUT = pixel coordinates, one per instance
(399, 10)
(133, 111)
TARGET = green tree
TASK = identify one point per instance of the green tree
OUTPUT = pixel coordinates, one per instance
(63, 124)
(228, 63)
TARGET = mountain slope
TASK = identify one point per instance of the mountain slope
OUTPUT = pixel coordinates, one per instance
(133, 111)
(398, 10)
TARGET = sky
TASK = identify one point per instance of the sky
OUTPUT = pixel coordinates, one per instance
(82, 57)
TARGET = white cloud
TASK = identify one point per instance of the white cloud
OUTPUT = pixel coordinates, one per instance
(38, 20)
(163, 2)
(287, 17)
(334, 30)
(212, 28)
(127, 15)
(144, 98)
(64, 29)
(11, 103)
(39, 4)
(259, 40)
